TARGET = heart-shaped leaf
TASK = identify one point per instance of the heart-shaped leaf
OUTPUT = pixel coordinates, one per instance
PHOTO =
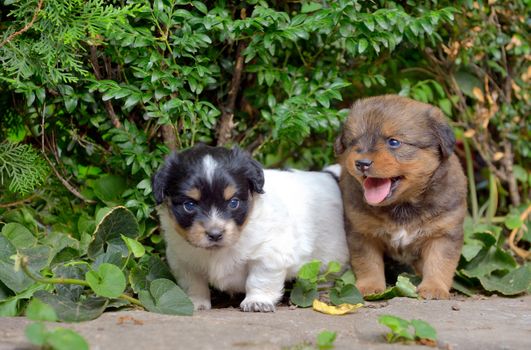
(39, 311)
(165, 297)
(348, 294)
(108, 281)
(117, 222)
(68, 310)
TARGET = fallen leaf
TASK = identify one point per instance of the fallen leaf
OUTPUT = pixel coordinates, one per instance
(334, 310)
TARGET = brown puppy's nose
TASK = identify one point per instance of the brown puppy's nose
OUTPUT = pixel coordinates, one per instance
(363, 164)
(215, 235)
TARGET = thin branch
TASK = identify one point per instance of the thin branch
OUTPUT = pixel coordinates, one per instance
(508, 161)
(97, 72)
(65, 183)
(226, 122)
(19, 202)
(27, 26)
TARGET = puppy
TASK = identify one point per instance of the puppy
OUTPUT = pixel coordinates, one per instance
(228, 223)
(404, 192)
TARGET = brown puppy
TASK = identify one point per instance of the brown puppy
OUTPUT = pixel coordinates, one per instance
(404, 192)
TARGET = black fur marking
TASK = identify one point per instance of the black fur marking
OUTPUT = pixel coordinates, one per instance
(331, 174)
(184, 171)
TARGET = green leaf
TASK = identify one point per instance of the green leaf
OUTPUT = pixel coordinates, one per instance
(11, 305)
(471, 250)
(333, 267)
(109, 188)
(362, 45)
(325, 340)
(36, 333)
(310, 271)
(513, 221)
(302, 296)
(68, 310)
(117, 222)
(423, 330)
(19, 235)
(134, 247)
(66, 339)
(308, 7)
(165, 297)
(348, 294)
(39, 311)
(488, 261)
(200, 6)
(513, 283)
(405, 288)
(16, 280)
(389, 293)
(348, 277)
(148, 269)
(108, 281)
(520, 173)
(399, 328)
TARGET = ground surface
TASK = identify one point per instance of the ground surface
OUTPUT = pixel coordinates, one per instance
(492, 323)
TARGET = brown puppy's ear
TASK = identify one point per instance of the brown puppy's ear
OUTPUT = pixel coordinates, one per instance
(339, 146)
(442, 132)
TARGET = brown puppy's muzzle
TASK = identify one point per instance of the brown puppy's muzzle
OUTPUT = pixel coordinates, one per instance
(363, 165)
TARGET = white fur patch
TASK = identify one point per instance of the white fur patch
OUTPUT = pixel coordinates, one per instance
(209, 167)
(402, 238)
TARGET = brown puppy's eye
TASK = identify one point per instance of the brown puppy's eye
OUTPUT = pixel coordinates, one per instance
(393, 143)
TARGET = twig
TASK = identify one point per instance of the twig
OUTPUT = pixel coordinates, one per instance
(507, 162)
(519, 251)
(97, 72)
(19, 202)
(65, 183)
(27, 26)
(226, 122)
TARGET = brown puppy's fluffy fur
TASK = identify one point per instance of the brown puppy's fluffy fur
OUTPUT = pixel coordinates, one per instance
(420, 219)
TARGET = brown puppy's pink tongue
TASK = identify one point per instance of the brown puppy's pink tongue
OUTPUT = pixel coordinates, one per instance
(376, 189)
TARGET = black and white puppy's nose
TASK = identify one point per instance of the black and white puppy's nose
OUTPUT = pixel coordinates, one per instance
(363, 164)
(215, 235)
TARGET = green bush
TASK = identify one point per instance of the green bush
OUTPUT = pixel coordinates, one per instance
(107, 88)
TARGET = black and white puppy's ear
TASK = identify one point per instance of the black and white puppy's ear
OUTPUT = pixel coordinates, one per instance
(252, 169)
(160, 179)
(442, 131)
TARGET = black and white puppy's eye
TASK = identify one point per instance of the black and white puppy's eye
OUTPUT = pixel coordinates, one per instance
(234, 203)
(189, 206)
(393, 143)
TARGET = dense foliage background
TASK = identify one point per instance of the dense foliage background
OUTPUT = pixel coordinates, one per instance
(94, 94)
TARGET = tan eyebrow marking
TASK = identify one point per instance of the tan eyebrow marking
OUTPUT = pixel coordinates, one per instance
(194, 193)
(229, 192)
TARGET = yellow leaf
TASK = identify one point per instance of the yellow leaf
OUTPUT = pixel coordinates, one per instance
(334, 310)
(469, 133)
(478, 94)
(497, 156)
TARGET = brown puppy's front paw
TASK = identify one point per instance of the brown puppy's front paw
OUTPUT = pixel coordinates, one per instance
(433, 290)
(367, 287)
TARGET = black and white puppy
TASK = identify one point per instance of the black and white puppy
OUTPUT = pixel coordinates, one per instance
(228, 222)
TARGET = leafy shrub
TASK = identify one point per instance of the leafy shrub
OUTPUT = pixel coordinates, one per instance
(107, 88)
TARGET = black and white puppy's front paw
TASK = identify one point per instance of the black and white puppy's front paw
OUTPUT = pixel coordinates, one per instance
(257, 304)
(201, 303)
